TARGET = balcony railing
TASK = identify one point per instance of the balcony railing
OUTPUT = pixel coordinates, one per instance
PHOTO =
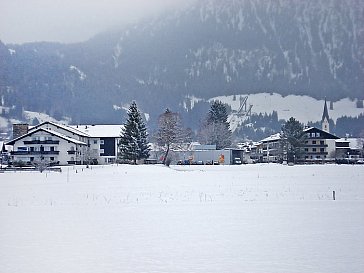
(34, 152)
(74, 162)
(27, 142)
(316, 153)
(315, 145)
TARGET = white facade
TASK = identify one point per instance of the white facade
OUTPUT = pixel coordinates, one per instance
(60, 144)
(42, 145)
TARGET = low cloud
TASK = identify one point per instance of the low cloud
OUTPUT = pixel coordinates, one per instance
(69, 20)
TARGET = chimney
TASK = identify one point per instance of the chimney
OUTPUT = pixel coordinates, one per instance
(20, 129)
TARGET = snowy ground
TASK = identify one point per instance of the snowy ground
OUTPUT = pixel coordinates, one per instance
(252, 218)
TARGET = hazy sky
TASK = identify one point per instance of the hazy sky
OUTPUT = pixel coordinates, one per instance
(71, 20)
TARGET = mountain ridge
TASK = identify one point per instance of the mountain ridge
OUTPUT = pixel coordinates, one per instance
(209, 49)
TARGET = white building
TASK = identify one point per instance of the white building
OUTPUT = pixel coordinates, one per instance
(102, 141)
(54, 143)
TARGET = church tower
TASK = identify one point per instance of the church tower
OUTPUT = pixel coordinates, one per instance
(325, 119)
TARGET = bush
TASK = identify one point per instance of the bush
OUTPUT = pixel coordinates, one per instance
(19, 164)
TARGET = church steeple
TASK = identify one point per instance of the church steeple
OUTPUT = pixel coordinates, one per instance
(325, 119)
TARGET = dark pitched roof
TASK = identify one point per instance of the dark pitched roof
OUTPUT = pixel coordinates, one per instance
(323, 134)
(325, 114)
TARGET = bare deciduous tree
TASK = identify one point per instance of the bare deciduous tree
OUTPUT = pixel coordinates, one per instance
(171, 134)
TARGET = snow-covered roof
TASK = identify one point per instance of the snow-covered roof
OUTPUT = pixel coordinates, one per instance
(113, 130)
(64, 127)
(272, 138)
(52, 132)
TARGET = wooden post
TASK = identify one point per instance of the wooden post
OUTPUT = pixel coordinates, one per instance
(333, 195)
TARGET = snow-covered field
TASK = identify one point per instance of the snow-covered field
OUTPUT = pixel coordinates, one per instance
(252, 218)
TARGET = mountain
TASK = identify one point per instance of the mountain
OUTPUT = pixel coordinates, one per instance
(211, 48)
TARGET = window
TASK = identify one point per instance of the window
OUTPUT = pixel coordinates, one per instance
(306, 149)
(49, 138)
(313, 134)
(95, 141)
(322, 150)
(31, 159)
(32, 149)
(313, 149)
(317, 134)
(313, 141)
(51, 158)
(22, 148)
(101, 142)
(52, 149)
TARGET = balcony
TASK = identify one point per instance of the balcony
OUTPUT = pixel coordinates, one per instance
(73, 162)
(53, 142)
(316, 153)
(34, 153)
(315, 145)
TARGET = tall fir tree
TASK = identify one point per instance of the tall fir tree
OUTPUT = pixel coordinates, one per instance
(293, 139)
(216, 128)
(133, 143)
(217, 112)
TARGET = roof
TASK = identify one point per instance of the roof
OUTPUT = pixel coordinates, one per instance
(274, 137)
(325, 135)
(112, 130)
(12, 142)
(64, 127)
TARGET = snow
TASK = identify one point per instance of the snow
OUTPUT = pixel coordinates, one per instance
(247, 218)
(107, 130)
(12, 51)
(302, 108)
(42, 117)
(81, 75)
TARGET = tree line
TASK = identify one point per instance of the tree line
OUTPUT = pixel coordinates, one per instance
(171, 133)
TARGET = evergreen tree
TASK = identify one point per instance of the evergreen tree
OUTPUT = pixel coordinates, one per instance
(293, 139)
(133, 144)
(217, 113)
(216, 128)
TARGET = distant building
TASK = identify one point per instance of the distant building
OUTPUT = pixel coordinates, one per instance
(349, 150)
(271, 148)
(319, 145)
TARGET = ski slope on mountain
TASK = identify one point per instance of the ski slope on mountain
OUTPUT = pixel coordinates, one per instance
(248, 218)
(303, 108)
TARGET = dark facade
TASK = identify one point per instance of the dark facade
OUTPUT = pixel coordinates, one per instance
(107, 144)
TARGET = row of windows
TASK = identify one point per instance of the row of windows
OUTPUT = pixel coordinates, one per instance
(313, 134)
(41, 138)
(322, 150)
(316, 142)
(101, 141)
